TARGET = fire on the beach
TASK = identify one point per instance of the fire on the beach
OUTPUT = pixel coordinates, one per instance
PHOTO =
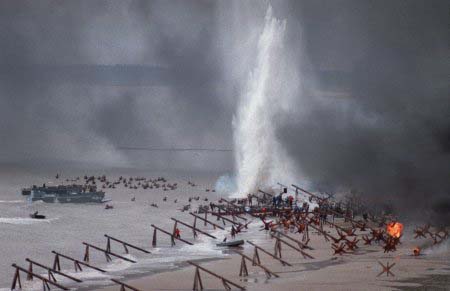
(394, 229)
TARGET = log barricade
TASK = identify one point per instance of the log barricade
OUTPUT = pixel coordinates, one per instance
(194, 228)
(50, 271)
(77, 263)
(124, 285)
(125, 245)
(172, 236)
(256, 259)
(106, 252)
(198, 282)
(207, 221)
(302, 245)
(280, 240)
(45, 282)
(243, 269)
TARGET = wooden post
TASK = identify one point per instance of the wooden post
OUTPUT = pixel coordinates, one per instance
(56, 264)
(206, 217)
(243, 271)
(154, 238)
(30, 272)
(277, 248)
(86, 254)
(256, 260)
(16, 280)
(198, 285)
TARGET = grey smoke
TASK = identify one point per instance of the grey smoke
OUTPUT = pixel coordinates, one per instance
(80, 79)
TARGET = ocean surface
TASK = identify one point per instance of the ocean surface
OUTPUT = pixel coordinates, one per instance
(68, 225)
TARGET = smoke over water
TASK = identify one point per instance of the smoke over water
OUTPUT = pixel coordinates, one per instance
(260, 159)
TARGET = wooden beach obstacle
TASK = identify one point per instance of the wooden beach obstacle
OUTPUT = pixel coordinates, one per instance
(256, 260)
(277, 247)
(386, 269)
(107, 253)
(124, 286)
(45, 282)
(125, 245)
(77, 264)
(51, 272)
(194, 229)
(243, 272)
(300, 244)
(207, 221)
(198, 285)
(172, 236)
(219, 216)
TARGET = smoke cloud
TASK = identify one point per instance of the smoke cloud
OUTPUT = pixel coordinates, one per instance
(355, 95)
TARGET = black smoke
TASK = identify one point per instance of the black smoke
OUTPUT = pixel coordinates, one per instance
(378, 121)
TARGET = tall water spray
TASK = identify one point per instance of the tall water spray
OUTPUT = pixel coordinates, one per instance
(260, 160)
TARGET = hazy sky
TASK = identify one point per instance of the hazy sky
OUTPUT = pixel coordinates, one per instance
(79, 79)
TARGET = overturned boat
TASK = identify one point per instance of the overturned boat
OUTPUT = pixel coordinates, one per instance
(67, 194)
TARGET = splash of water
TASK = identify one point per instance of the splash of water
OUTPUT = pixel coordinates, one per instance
(260, 160)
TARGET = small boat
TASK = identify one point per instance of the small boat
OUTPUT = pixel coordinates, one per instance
(233, 243)
(37, 216)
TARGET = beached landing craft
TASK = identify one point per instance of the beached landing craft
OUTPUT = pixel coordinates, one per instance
(66, 194)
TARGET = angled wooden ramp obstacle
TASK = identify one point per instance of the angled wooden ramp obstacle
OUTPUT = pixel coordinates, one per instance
(50, 271)
(124, 286)
(198, 284)
(45, 282)
(207, 221)
(77, 264)
(244, 271)
(194, 229)
(256, 260)
(125, 245)
(172, 236)
(107, 253)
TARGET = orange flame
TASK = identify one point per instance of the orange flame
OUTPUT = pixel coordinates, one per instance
(394, 229)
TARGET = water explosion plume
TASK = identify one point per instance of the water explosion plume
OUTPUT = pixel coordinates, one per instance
(260, 160)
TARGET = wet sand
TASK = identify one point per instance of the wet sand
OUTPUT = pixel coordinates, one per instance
(357, 271)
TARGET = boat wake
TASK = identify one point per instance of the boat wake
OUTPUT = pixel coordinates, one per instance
(24, 220)
(12, 201)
